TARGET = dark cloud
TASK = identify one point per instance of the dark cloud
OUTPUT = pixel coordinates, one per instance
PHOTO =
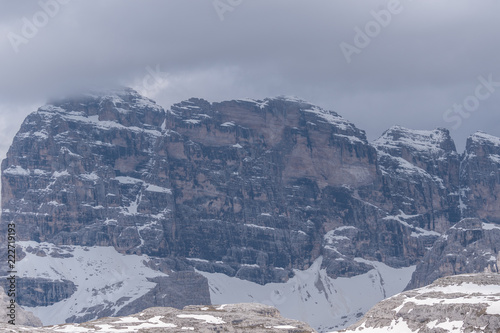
(427, 58)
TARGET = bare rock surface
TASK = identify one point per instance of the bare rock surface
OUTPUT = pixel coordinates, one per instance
(241, 318)
(21, 317)
(461, 303)
(470, 246)
(481, 177)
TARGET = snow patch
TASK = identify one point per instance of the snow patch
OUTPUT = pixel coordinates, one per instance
(207, 318)
(258, 226)
(16, 171)
(331, 118)
(495, 158)
(158, 189)
(490, 226)
(192, 121)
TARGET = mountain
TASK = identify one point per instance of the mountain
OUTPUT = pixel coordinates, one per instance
(120, 205)
(461, 303)
(471, 245)
(237, 318)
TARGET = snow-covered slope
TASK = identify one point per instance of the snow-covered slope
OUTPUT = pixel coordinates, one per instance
(461, 303)
(114, 279)
(312, 296)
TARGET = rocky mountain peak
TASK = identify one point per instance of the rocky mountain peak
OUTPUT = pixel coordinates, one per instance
(289, 111)
(484, 146)
(469, 246)
(482, 138)
(402, 141)
(123, 106)
(421, 165)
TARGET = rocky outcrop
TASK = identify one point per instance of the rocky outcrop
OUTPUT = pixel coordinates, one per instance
(470, 246)
(19, 316)
(237, 318)
(421, 175)
(462, 303)
(480, 174)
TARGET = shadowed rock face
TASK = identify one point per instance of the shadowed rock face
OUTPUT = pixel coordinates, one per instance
(470, 246)
(237, 318)
(462, 303)
(421, 170)
(22, 317)
(481, 177)
(250, 188)
(240, 183)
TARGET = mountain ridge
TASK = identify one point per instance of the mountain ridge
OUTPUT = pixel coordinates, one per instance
(256, 190)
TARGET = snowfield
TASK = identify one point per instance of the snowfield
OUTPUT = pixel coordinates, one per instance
(312, 296)
(102, 271)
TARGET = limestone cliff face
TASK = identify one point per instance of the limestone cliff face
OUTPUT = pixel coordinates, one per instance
(421, 174)
(78, 165)
(481, 177)
(471, 245)
(249, 186)
(253, 189)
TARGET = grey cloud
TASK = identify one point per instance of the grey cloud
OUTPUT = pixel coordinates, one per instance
(426, 59)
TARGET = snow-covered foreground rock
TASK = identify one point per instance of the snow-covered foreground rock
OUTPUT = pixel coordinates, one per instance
(224, 318)
(461, 303)
(312, 296)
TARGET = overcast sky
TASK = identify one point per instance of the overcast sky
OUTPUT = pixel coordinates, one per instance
(377, 63)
